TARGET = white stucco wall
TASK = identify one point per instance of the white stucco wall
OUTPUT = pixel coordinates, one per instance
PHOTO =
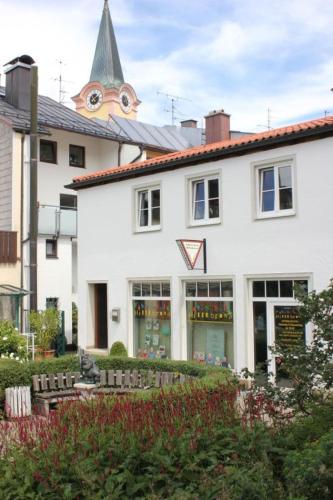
(239, 247)
(56, 277)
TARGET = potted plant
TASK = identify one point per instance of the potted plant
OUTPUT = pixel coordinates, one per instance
(45, 324)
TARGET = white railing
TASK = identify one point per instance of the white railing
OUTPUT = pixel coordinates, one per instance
(30, 343)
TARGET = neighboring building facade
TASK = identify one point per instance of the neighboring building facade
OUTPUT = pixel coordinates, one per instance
(262, 202)
(68, 143)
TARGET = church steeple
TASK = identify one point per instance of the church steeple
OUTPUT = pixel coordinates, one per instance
(107, 93)
(106, 67)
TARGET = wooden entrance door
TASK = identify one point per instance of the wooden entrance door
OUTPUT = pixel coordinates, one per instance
(101, 316)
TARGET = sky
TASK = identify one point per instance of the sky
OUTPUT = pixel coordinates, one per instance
(245, 56)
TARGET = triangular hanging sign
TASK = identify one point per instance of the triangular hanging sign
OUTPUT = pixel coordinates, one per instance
(190, 250)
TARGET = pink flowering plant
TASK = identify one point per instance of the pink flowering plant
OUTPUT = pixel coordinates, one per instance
(12, 344)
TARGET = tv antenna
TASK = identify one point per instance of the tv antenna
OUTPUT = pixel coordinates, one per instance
(61, 81)
(173, 99)
(269, 121)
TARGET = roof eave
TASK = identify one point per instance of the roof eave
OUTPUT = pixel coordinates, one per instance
(241, 149)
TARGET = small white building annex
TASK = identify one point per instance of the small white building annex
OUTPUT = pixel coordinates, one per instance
(264, 205)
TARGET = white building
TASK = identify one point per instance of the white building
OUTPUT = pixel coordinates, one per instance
(264, 205)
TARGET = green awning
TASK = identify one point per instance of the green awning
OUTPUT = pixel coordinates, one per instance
(11, 290)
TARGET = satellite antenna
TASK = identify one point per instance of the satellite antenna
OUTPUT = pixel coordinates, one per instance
(173, 99)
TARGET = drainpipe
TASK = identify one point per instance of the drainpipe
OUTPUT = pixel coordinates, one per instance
(33, 190)
(120, 146)
(21, 221)
(139, 155)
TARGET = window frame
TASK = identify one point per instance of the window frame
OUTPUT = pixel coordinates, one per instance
(54, 245)
(54, 145)
(191, 181)
(68, 196)
(275, 165)
(150, 227)
(83, 155)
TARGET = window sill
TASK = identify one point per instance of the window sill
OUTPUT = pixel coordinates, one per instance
(275, 215)
(149, 229)
(199, 223)
(51, 257)
(77, 166)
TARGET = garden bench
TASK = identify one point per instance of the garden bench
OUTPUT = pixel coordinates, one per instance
(50, 389)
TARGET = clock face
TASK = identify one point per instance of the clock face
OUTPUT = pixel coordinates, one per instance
(94, 99)
(125, 102)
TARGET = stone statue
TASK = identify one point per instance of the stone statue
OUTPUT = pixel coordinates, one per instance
(90, 373)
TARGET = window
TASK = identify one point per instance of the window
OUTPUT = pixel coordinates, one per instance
(76, 156)
(205, 200)
(277, 288)
(210, 322)
(68, 201)
(151, 319)
(48, 151)
(52, 302)
(51, 249)
(148, 209)
(275, 190)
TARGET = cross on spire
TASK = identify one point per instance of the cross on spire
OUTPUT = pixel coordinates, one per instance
(106, 67)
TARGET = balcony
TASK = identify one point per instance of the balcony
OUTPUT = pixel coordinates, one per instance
(57, 221)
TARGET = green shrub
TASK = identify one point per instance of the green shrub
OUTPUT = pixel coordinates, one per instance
(309, 471)
(12, 344)
(46, 326)
(15, 374)
(118, 349)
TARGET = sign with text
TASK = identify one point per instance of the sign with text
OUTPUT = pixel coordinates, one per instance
(190, 250)
(289, 328)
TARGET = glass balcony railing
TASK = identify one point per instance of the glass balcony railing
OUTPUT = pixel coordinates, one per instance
(57, 221)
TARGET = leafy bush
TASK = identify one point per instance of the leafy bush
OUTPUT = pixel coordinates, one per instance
(118, 349)
(20, 374)
(309, 471)
(46, 326)
(12, 344)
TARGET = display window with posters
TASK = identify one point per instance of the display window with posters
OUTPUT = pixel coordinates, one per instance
(210, 322)
(151, 308)
(276, 318)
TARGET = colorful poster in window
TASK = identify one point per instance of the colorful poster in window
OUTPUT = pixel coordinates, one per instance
(211, 311)
(154, 309)
(215, 343)
(289, 328)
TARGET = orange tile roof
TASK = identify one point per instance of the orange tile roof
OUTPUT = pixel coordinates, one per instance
(199, 151)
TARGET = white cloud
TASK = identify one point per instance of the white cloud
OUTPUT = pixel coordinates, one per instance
(246, 58)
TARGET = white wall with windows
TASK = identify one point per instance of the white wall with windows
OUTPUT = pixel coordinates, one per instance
(61, 156)
(272, 214)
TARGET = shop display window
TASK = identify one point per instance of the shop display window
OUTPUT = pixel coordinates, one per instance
(210, 325)
(152, 320)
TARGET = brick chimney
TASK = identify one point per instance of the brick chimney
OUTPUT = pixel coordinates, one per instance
(189, 123)
(217, 126)
(18, 82)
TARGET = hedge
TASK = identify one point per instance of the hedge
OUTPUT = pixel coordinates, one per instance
(13, 373)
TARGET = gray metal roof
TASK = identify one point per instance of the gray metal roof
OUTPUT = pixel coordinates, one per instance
(106, 67)
(52, 114)
(167, 138)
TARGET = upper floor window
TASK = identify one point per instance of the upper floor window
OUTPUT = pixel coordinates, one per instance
(275, 188)
(76, 156)
(68, 201)
(205, 200)
(48, 151)
(148, 209)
